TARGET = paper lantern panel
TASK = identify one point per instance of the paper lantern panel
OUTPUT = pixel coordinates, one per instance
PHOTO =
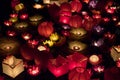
(12, 66)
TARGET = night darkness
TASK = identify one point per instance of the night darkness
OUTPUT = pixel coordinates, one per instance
(100, 28)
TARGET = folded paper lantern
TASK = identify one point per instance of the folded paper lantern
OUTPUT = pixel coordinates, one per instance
(12, 66)
(79, 74)
(58, 66)
(77, 60)
(115, 52)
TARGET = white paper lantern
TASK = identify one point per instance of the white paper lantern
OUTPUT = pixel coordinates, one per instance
(12, 66)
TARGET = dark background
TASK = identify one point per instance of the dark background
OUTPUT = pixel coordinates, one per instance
(5, 10)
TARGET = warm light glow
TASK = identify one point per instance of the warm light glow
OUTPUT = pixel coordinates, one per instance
(60, 39)
(24, 16)
(65, 13)
(45, 28)
(26, 36)
(21, 25)
(41, 48)
(35, 18)
(77, 60)
(33, 70)
(58, 66)
(118, 24)
(11, 33)
(12, 66)
(98, 43)
(97, 16)
(111, 11)
(8, 23)
(87, 17)
(94, 59)
(46, 1)
(64, 19)
(49, 42)
(54, 37)
(114, 18)
(8, 46)
(13, 20)
(38, 6)
(86, 1)
(76, 6)
(55, 2)
(84, 13)
(117, 48)
(9, 60)
(106, 19)
(98, 68)
(19, 7)
(114, 51)
(78, 32)
(77, 46)
(13, 15)
(33, 42)
(80, 74)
